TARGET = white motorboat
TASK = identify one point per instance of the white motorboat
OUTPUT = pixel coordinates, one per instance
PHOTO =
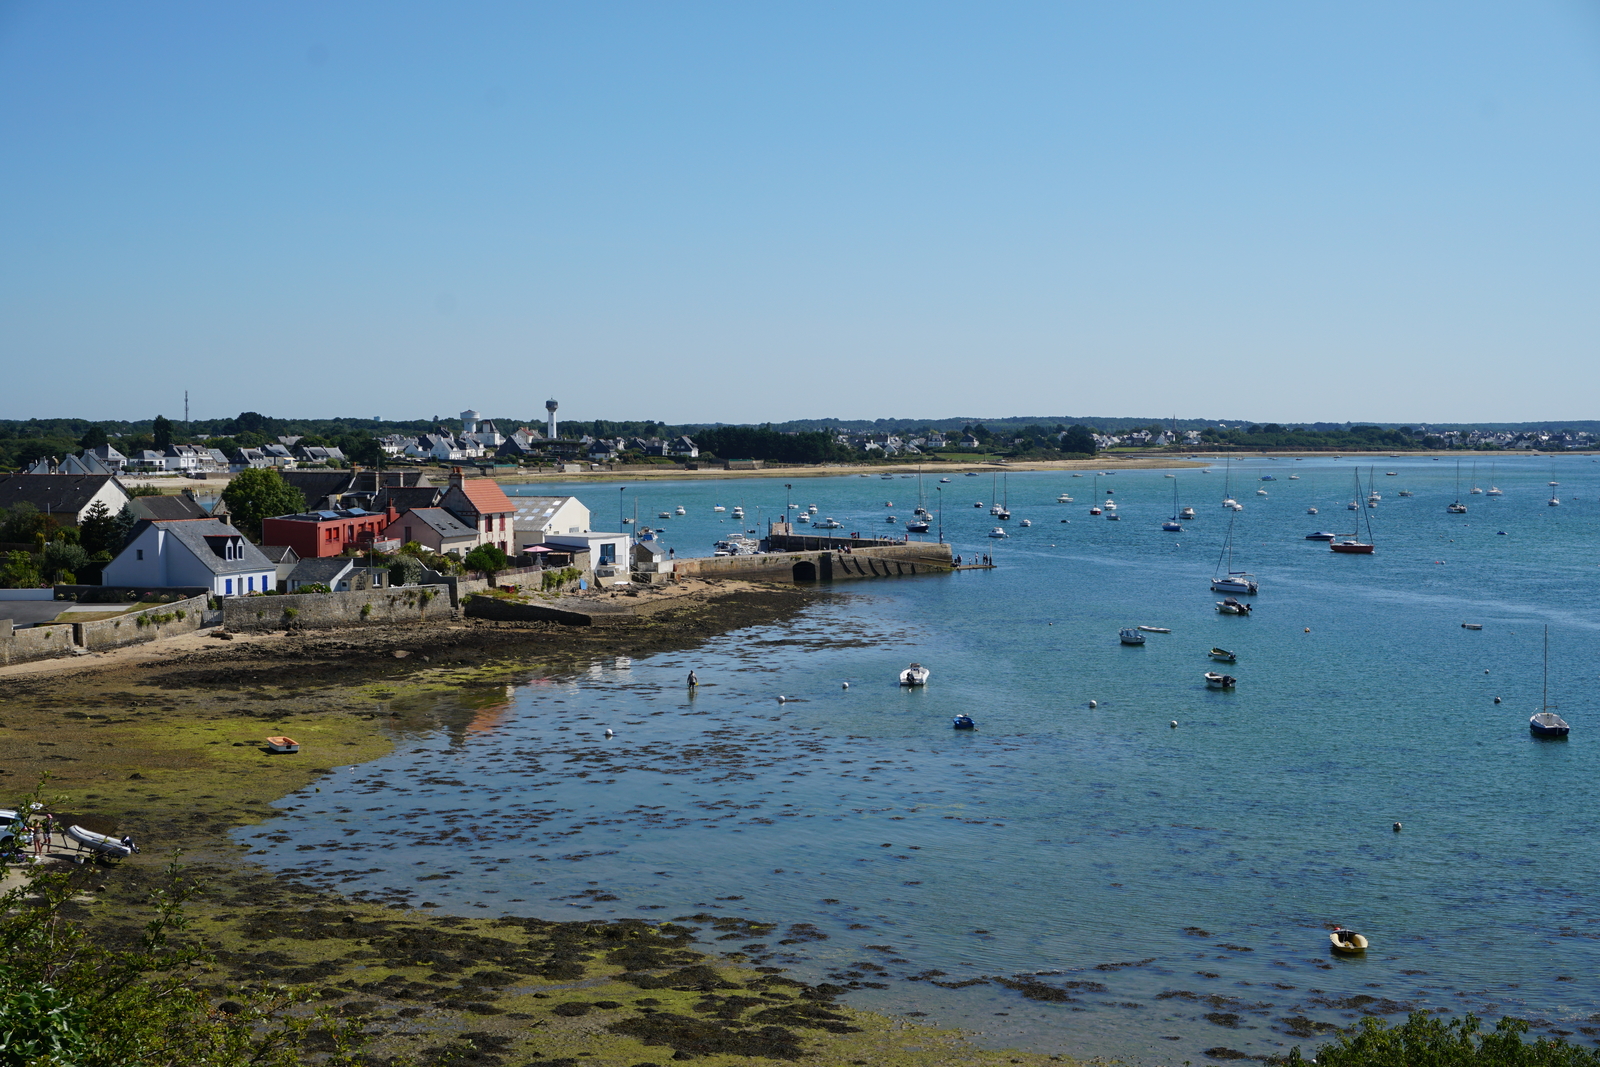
(1311, 511)
(1348, 942)
(829, 523)
(1215, 680)
(1231, 606)
(719, 507)
(663, 514)
(803, 517)
(1026, 522)
(890, 518)
(944, 480)
(999, 531)
(1154, 629)
(811, 509)
(1186, 513)
(1261, 492)
(1063, 499)
(1130, 636)
(680, 510)
(916, 674)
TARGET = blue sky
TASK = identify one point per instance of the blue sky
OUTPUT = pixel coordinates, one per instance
(744, 212)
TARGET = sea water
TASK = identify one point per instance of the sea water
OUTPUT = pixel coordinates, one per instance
(1166, 890)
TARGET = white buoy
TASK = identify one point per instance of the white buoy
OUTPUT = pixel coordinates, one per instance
(1396, 827)
(1094, 703)
(845, 686)
(610, 732)
(1173, 724)
(783, 700)
(1497, 700)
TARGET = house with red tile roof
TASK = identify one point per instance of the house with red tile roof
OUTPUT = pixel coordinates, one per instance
(481, 504)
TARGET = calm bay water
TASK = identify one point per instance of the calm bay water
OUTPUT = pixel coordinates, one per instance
(1171, 885)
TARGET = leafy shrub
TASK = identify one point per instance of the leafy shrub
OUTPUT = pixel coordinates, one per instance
(66, 998)
(1426, 1039)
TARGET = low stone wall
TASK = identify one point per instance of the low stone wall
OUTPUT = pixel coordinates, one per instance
(316, 611)
(916, 557)
(601, 613)
(166, 620)
(34, 642)
(520, 577)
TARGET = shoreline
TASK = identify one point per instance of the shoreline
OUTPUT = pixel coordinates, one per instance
(165, 747)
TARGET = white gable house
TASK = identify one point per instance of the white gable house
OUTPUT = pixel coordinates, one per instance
(192, 552)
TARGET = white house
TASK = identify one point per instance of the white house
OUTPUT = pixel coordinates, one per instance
(609, 554)
(193, 552)
(540, 517)
(66, 496)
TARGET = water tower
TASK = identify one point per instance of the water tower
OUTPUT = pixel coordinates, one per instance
(550, 406)
(469, 421)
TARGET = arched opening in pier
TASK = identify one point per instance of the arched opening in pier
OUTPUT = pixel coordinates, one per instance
(805, 571)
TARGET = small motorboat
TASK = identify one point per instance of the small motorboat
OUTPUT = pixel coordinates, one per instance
(811, 509)
(977, 503)
(1407, 492)
(283, 744)
(1320, 535)
(104, 844)
(680, 510)
(1261, 492)
(1154, 629)
(802, 517)
(719, 507)
(944, 480)
(1457, 508)
(1025, 522)
(1472, 626)
(1269, 478)
(1231, 606)
(1548, 724)
(1222, 655)
(999, 531)
(963, 722)
(830, 523)
(663, 514)
(890, 518)
(1112, 516)
(916, 674)
(1220, 681)
(1063, 499)
(1172, 527)
(1347, 942)
(1131, 636)
(1311, 511)
(1186, 513)
(919, 526)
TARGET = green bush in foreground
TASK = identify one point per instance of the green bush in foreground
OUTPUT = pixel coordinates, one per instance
(67, 999)
(1424, 1040)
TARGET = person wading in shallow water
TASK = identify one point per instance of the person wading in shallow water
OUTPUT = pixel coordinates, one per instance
(693, 681)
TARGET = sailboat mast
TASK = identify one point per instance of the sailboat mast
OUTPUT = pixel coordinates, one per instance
(1545, 700)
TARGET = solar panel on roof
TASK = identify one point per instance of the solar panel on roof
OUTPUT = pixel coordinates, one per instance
(358, 511)
(328, 514)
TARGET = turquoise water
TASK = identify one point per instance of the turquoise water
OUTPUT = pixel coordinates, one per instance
(1169, 888)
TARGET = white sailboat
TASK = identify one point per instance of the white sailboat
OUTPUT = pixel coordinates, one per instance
(1230, 580)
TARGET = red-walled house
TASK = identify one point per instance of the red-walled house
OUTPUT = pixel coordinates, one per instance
(319, 534)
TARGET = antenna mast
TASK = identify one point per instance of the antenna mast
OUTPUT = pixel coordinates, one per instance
(186, 413)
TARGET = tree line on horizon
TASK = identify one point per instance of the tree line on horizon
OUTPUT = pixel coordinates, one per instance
(23, 441)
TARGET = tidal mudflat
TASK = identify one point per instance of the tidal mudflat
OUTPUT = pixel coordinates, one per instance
(1068, 877)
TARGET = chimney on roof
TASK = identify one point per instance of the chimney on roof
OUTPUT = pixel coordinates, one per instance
(455, 477)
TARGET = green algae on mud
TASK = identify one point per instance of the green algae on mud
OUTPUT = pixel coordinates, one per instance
(172, 753)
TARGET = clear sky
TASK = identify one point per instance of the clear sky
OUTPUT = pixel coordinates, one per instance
(760, 211)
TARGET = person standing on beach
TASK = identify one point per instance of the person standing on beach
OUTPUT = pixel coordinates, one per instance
(693, 681)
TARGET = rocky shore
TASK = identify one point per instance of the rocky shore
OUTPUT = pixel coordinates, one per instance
(170, 750)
